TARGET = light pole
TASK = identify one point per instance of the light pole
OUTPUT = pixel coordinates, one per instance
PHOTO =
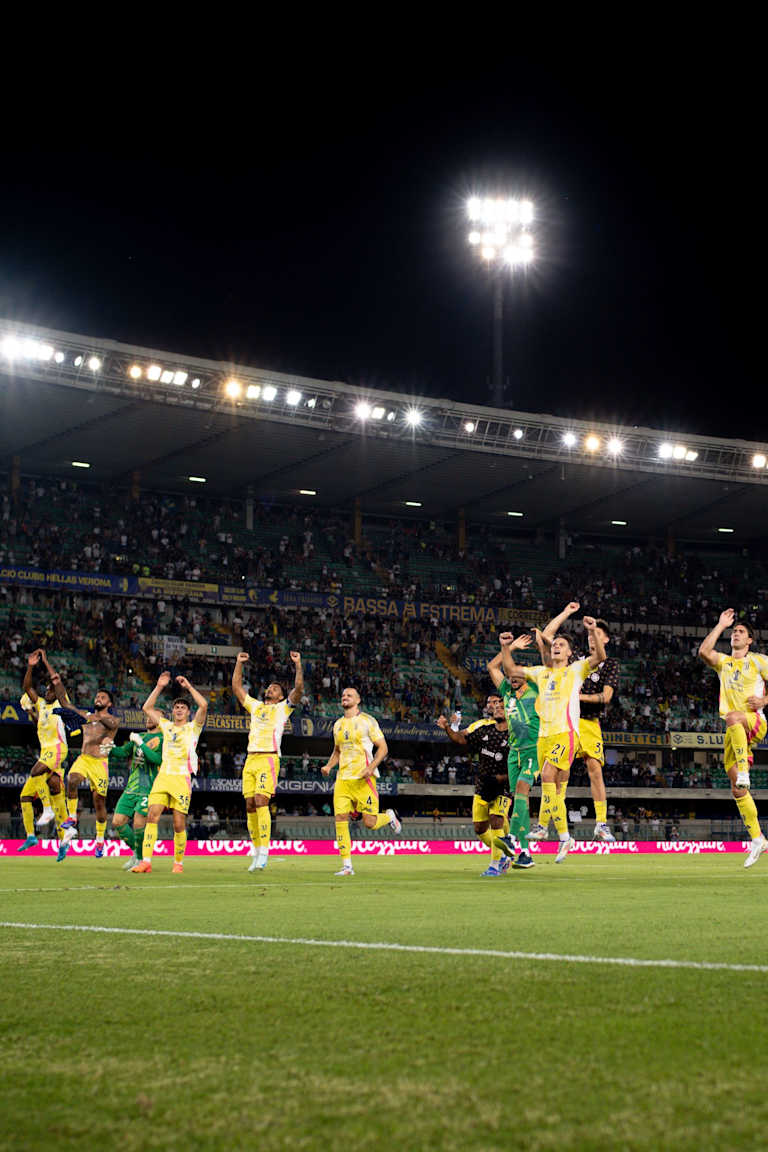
(501, 235)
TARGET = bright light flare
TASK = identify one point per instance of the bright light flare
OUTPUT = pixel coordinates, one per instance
(270, 392)
(518, 433)
(378, 412)
(180, 378)
(362, 410)
(80, 464)
(94, 363)
(413, 417)
(665, 451)
(233, 388)
(619, 523)
(615, 446)
(526, 212)
(679, 451)
(569, 439)
(293, 397)
(759, 460)
(691, 456)
(592, 443)
(253, 391)
(154, 372)
(166, 377)
(469, 426)
(197, 479)
(135, 372)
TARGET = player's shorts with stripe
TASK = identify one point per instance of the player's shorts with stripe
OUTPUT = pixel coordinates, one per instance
(95, 769)
(171, 791)
(260, 773)
(522, 764)
(482, 810)
(53, 756)
(591, 741)
(756, 728)
(32, 787)
(356, 796)
(132, 804)
(558, 750)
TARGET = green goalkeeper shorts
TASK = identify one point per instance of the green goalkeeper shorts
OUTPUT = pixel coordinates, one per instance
(133, 804)
(522, 764)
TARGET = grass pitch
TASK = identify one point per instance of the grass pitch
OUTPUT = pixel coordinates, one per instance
(182, 1042)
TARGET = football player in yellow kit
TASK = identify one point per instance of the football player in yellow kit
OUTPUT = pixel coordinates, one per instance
(743, 676)
(262, 766)
(47, 775)
(355, 735)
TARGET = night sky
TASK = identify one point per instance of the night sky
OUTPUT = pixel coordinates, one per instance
(325, 235)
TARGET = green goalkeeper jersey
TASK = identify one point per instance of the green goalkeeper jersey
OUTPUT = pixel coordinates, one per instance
(142, 762)
(522, 717)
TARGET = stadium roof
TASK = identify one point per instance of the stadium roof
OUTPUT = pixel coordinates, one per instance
(121, 408)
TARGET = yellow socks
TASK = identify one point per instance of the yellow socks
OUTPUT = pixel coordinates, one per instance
(28, 816)
(548, 803)
(72, 807)
(59, 806)
(748, 810)
(44, 792)
(179, 846)
(486, 837)
(252, 819)
(150, 838)
(381, 820)
(344, 841)
(737, 737)
(601, 811)
(264, 824)
(560, 816)
(101, 828)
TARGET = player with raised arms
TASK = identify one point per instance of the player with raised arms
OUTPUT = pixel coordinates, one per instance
(47, 775)
(355, 736)
(173, 784)
(141, 755)
(92, 764)
(557, 705)
(262, 765)
(743, 676)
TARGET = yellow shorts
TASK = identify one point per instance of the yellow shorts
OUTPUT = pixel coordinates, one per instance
(32, 787)
(356, 796)
(95, 769)
(53, 756)
(171, 791)
(591, 741)
(260, 773)
(559, 751)
(756, 728)
(482, 810)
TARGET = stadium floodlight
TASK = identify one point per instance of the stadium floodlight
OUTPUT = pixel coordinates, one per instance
(615, 446)
(80, 464)
(665, 451)
(592, 442)
(78, 360)
(413, 417)
(362, 410)
(269, 392)
(312, 402)
(515, 513)
(180, 378)
(413, 503)
(45, 351)
(518, 433)
(377, 413)
(391, 416)
(474, 238)
(154, 372)
(759, 460)
(197, 479)
(293, 397)
(10, 347)
(307, 492)
(59, 357)
(569, 439)
(166, 377)
(488, 252)
(196, 382)
(526, 212)
(469, 426)
(619, 523)
(253, 391)
(725, 529)
(134, 372)
(94, 363)
(233, 388)
(691, 456)
(679, 451)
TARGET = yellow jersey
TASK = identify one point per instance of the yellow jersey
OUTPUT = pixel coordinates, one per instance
(50, 728)
(558, 700)
(739, 679)
(355, 737)
(180, 747)
(267, 724)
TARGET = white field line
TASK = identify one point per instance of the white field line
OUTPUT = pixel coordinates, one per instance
(364, 945)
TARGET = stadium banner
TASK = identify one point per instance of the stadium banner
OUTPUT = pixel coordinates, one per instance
(701, 740)
(177, 589)
(252, 596)
(390, 848)
(421, 610)
(59, 580)
(118, 781)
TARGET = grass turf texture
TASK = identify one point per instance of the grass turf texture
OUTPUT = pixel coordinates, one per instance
(145, 1042)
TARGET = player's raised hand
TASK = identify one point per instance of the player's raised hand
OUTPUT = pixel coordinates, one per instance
(295, 657)
(572, 607)
(506, 639)
(242, 657)
(441, 722)
(326, 769)
(182, 680)
(727, 618)
(522, 641)
(590, 623)
(163, 680)
(34, 657)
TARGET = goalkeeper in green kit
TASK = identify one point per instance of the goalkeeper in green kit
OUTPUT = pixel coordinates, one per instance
(519, 698)
(142, 756)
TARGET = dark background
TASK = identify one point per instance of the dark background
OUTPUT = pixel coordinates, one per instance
(313, 222)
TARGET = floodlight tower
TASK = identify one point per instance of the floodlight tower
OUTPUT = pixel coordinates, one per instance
(500, 233)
